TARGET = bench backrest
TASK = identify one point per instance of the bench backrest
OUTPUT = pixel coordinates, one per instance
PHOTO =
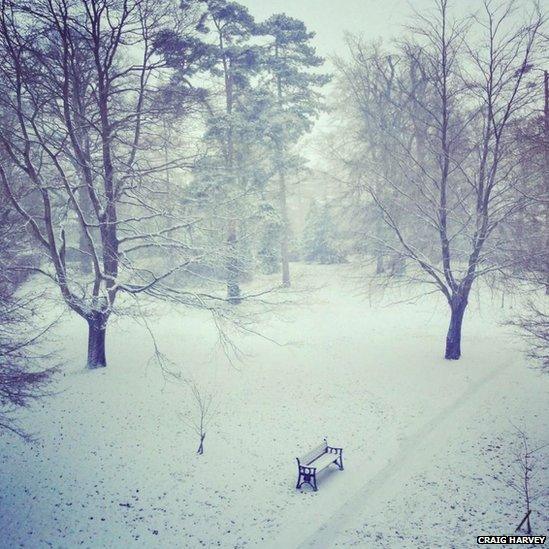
(313, 454)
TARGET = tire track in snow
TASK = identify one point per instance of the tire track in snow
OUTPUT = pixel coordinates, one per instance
(386, 483)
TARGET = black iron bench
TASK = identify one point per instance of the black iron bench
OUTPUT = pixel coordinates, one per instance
(316, 460)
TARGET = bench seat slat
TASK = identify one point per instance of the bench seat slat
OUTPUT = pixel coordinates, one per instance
(324, 461)
(313, 454)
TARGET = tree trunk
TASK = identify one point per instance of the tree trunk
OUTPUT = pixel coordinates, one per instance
(380, 267)
(398, 267)
(200, 450)
(285, 261)
(282, 188)
(97, 328)
(453, 339)
(284, 254)
(233, 287)
(85, 259)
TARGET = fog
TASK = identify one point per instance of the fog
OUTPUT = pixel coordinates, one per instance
(273, 273)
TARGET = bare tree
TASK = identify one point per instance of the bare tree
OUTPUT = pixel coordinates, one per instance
(527, 248)
(202, 413)
(524, 483)
(22, 376)
(453, 174)
(535, 328)
(78, 83)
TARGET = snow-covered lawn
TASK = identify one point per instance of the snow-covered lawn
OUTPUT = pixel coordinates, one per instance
(423, 438)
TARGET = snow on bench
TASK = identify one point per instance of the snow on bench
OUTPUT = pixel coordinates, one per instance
(315, 461)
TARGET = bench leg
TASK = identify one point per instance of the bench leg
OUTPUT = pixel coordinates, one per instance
(306, 478)
(340, 462)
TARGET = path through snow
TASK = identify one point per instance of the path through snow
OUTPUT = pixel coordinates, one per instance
(416, 451)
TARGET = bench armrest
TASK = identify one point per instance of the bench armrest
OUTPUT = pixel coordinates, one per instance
(307, 469)
(334, 450)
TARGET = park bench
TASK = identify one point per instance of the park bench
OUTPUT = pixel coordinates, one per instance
(316, 460)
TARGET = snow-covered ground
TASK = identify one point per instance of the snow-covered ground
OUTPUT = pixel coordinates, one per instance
(428, 444)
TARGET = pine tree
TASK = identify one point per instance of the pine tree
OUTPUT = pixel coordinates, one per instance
(319, 237)
(228, 55)
(290, 61)
(234, 60)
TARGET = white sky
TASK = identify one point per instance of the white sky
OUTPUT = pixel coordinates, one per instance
(331, 18)
(373, 19)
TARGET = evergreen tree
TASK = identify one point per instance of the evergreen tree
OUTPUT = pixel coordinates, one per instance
(319, 237)
(234, 60)
(290, 61)
(228, 55)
